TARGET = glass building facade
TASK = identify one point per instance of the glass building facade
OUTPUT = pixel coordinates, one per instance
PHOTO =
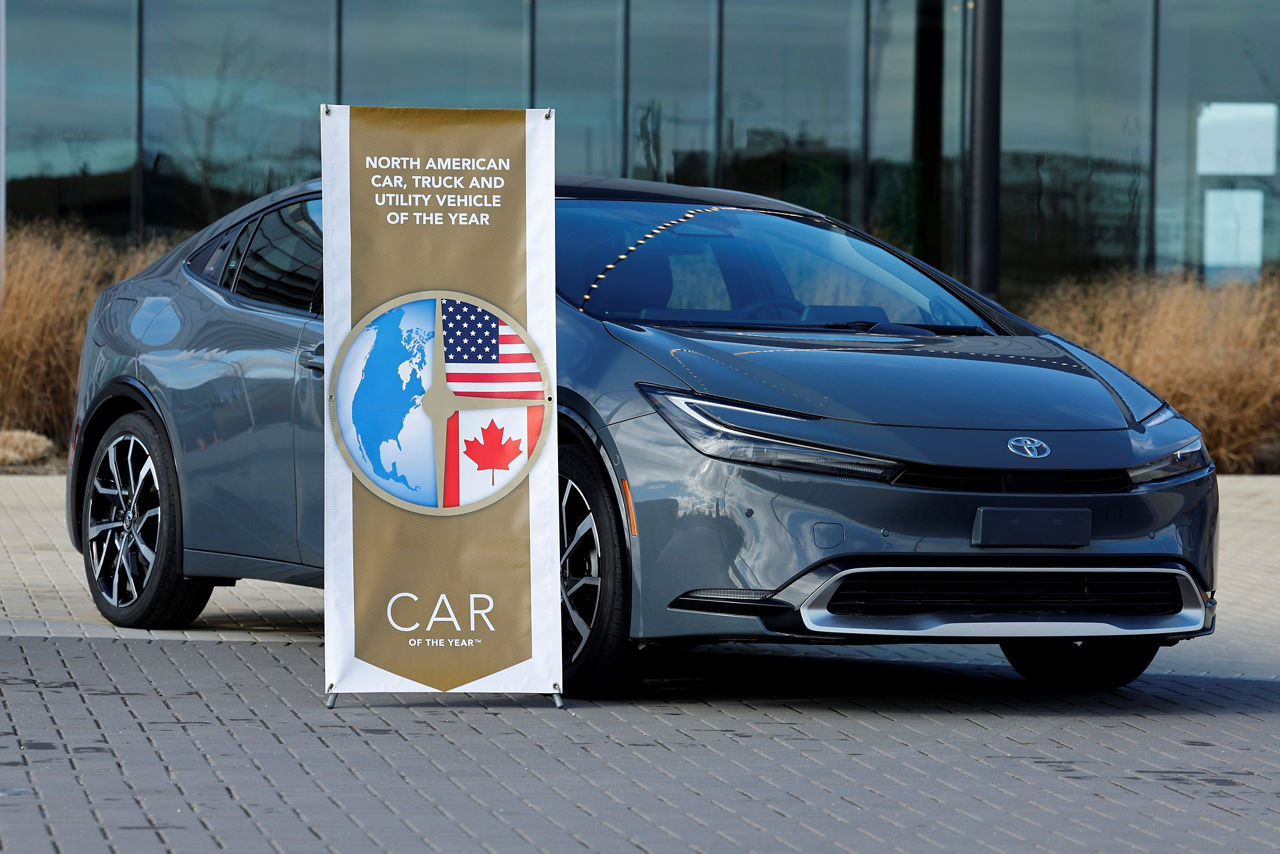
(1134, 134)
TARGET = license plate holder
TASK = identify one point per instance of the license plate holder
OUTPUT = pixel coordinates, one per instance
(1032, 527)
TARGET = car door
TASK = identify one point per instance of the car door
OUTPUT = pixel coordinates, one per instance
(236, 426)
(308, 441)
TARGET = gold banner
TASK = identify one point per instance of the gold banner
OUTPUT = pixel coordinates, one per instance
(438, 219)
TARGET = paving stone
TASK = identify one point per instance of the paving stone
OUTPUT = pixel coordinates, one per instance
(217, 737)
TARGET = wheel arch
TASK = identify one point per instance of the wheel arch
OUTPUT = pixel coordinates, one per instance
(117, 398)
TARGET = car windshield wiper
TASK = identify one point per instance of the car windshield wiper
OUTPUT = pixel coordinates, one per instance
(691, 324)
(876, 327)
(752, 325)
(883, 327)
(856, 325)
(886, 328)
(953, 329)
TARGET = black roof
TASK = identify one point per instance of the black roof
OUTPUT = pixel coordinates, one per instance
(592, 187)
(568, 187)
(587, 187)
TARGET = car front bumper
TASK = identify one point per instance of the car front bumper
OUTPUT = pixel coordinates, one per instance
(753, 553)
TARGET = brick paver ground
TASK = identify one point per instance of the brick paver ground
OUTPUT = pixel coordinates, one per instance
(142, 741)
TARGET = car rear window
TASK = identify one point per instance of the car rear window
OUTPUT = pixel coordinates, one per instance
(679, 263)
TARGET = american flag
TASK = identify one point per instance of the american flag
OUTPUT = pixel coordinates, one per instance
(483, 357)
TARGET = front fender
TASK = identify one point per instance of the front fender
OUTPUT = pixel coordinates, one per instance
(119, 396)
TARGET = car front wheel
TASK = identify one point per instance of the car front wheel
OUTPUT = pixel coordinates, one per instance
(593, 595)
(1092, 664)
(132, 532)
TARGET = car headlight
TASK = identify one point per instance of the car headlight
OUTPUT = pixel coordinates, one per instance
(695, 419)
(1185, 460)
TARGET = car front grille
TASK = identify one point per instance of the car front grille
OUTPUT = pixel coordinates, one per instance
(1020, 594)
(955, 479)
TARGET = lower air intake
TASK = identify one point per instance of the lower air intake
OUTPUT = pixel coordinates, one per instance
(1028, 595)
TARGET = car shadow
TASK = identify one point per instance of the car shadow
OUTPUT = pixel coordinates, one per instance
(292, 622)
(882, 678)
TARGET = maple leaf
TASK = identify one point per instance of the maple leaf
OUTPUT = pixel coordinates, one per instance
(491, 453)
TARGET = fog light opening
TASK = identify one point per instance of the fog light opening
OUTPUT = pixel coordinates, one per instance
(732, 594)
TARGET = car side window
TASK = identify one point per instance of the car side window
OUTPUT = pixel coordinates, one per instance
(283, 260)
(228, 277)
(207, 261)
(314, 210)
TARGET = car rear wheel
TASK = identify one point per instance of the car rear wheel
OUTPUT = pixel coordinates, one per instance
(1092, 664)
(593, 595)
(132, 532)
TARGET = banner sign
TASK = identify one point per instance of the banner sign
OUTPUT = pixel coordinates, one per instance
(441, 529)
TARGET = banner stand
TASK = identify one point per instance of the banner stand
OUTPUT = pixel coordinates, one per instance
(331, 699)
(441, 471)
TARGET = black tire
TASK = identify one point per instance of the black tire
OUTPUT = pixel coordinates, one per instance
(131, 529)
(594, 591)
(1092, 664)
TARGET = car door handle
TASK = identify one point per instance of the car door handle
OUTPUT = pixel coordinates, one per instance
(313, 359)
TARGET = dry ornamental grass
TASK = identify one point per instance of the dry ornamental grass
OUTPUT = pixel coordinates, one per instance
(53, 274)
(1213, 353)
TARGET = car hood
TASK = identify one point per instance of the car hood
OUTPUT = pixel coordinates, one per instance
(972, 382)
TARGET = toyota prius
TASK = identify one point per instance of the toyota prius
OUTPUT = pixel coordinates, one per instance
(773, 428)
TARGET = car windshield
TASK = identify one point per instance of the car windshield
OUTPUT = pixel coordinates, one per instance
(702, 265)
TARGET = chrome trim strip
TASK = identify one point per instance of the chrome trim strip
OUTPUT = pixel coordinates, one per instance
(1192, 618)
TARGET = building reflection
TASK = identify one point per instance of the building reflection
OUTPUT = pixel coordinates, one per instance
(140, 115)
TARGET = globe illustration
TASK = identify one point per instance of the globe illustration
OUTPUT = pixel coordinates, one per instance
(438, 402)
(379, 412)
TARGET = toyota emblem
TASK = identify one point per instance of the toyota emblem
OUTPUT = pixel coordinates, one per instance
(1027, 446)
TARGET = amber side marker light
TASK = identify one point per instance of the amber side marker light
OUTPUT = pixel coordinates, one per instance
(631, 510)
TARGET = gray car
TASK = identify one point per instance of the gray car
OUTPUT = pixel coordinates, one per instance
(773, 428)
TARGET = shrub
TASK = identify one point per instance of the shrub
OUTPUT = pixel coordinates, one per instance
(53, 274)
(19, 447)
(1213, 353)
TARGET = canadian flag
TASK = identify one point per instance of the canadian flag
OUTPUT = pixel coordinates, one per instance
(485, 449)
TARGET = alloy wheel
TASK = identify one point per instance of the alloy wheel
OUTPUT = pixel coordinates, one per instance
(579, 569)
(123, 521)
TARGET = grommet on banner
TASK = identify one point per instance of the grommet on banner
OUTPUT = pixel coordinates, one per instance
(327, 111)
(548, 115)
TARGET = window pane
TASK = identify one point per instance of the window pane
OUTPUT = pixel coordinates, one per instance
(842, 278)
(283, 263)
(916, 63)
(672, 91)
(237, 255)
(793, 102)
(579, 72)
(696, 281)
(71, 111)
(207, 262)
(446, 53)
(726, 266)
(1217, 189)
(1075, 139)
(231, 108)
